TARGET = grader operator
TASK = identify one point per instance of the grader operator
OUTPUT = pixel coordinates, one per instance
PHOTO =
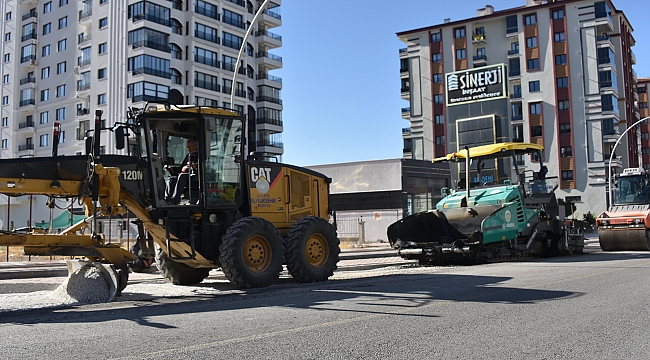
(247, 216)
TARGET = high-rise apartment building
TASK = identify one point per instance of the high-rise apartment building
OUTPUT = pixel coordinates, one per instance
(568, 84)
(64, 59)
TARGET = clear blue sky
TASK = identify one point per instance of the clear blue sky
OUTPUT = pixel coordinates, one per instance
(341, 87)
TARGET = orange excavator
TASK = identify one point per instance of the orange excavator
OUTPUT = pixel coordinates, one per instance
(625, 226)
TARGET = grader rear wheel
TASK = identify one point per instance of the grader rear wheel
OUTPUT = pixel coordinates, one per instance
(177, 273)
(312, 250)
(251, 253)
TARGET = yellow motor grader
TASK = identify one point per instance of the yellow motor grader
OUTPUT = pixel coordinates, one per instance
(245, 215)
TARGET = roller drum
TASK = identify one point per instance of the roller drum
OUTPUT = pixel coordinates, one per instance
(624, 239)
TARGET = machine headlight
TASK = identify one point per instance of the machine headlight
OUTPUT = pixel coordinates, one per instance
(605, 222)
(637, 221)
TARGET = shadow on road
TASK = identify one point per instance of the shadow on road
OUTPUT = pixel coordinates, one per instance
(397, 295)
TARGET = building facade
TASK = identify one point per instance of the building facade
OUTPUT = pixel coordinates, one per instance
(569, 81)
(64, 59)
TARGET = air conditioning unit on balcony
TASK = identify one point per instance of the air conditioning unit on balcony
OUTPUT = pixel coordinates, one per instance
(76, 70)
(32, 61)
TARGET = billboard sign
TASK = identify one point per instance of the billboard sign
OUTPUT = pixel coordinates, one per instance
(478, 84)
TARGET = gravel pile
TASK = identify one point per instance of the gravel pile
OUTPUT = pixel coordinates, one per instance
(85, 285)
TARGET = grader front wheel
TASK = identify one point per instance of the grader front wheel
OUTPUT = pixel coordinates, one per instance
(251, 253)
(312, 250)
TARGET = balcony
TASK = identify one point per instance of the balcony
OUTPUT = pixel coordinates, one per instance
(31, 14)
(27, 102)
(604, 39)
(274, 124)
(268, 59)
(27, 80)
(83, 15)
(240, 93)
(271, 17)
(480, 59)
(269, 78)
(515, 95)
(512, 31)
(517, 118)
(25, 147)
(478, 39)
(271, 143)
(270, 39)
(518, 140)
(208, 85)
(83, 86)
(237, 2)
(406, 131)
(207, 12)
(26, 124)
(83, 37)
(617, 161)
(83, 112)
(514, 72)
(269, 99)
(32, 35)
(635, 78)
(632, 57)
(513, 52)
(84, 62)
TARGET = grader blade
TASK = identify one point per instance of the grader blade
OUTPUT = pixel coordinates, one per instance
(91, 281)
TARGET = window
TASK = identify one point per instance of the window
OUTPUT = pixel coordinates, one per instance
(60, 68)
(47, 28)
(103, 1)
(45, 95)
(8, 16)
(45, 117)
(45, 51)
(533, 86)
(440, 140)
(480, 53)
(479, 31)
(461, 54)
(514, 48)
(518, 133)
(511, 24)
(567, 174)
(8, 36)
(103, 22)
(435, 37)
(440, 119)
(63, 2)
(605, 55)
(516, 91)
(514, 67)
(565, 128)
(530, 19)
(533, 64)
(47, 7)
(645, 136)
(102, 48)
(559, 36)
(4, 143)
(5, 121)
(60, 90)
(562, 82)
(536, 131)
(60, 114)
(437, 99)
(437, 57)
(535, 108)
(7, 57)
(62, 137)
(62, 45)
(5, 100)
(63, 22)
(459, 33)
(101, 99)
(560, 59)
(437, 78)
(558, 14)
(644, 151)
(643, 105)
(5, 79)
(517, 112)
(531, 42)
(101, 73)
(563, 105)
(232, 41)
(44, 140)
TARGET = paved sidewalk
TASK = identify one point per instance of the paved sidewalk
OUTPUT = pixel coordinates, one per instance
(371, 255)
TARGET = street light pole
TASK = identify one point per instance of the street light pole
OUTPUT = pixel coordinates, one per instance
(241, 51)
(611, 156)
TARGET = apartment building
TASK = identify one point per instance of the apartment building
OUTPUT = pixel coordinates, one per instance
(641, 98)
(568, 84)
(62, 60)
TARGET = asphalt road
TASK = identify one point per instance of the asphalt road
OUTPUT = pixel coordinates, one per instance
(592, 306)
